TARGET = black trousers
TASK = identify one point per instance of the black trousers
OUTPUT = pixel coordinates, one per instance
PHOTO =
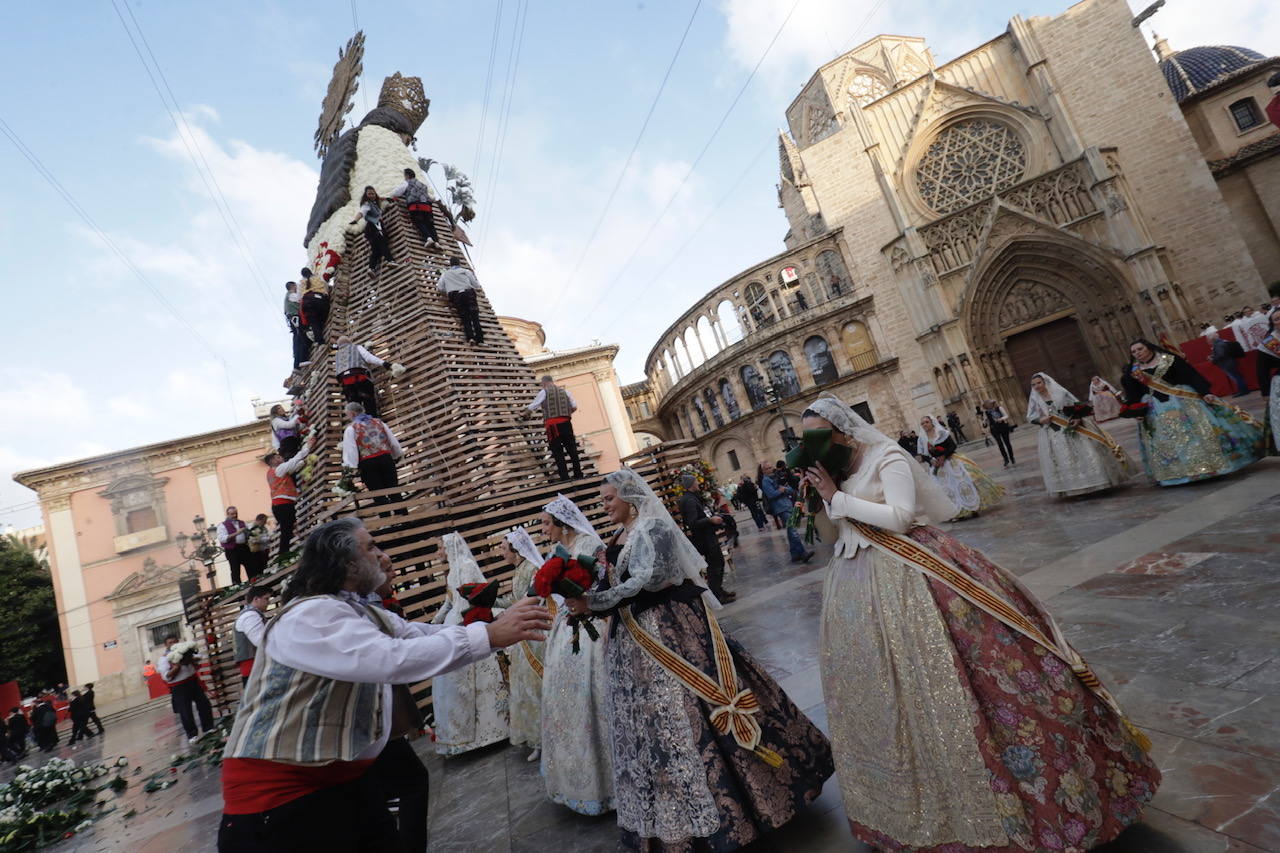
(301, 346)
(715, 570)
(468, 310)
(401, 775)
(378, 248)
(80, 729)
(257, 563)
(93, 718)
(238, 557)
(316, 307)
(757, 515)
(188, 696)
(351, 817)
(364, 393)
(286, 517)
(1002, 441)
(379, 472)
(563, 444)
(425, 223)
(959, 431)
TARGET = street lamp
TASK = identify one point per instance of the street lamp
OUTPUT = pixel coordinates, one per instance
(788, 437)
(202, 545)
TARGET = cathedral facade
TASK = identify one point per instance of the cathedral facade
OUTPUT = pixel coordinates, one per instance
(1033, 205)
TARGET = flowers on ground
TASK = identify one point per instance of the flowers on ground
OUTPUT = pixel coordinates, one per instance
(42, 805)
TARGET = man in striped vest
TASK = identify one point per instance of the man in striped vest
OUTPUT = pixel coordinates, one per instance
(284, 492)
(353, 364)
(250, 626)
(316, 712)
(557, 407)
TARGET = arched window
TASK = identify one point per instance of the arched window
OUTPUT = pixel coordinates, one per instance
(702, 414)
(693, 345)
(682, 357)
(729, 325)
(714, 405)
(821, 365)
(758, 304)
(730, 400)
(708, 336)
(754, 383)
(858, 346)
(832, 274)
(672, 375)
(785, 381)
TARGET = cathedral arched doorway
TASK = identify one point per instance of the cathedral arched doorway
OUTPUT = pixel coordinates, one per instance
(1051, 303)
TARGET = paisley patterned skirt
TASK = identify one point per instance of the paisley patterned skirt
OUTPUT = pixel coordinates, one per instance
(953, 733)
(470, 707)
(1187, 440)
(576, 763)
(681, 785)
(1074, 464)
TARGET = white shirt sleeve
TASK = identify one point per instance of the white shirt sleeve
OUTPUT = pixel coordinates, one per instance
(400, 190)
(252, 624)
(299, 459)
(573, 404)
(350, 456)
(396, 451)
(899, 508)
(162, 665)
(223, 535)
(369, 358)
(537, 401)
(327, 637)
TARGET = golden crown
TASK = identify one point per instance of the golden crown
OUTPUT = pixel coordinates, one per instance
(405, 96)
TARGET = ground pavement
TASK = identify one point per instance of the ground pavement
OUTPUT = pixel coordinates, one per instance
(1171, 593)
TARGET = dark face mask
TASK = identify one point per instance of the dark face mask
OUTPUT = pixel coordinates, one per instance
(818, 445)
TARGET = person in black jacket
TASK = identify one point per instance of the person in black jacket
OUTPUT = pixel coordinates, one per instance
(92, 704)
(44, 725)
(1225, 356)
(1188, 433)
(704, 532)
(749, 496)
(79, 718)
(18, 728)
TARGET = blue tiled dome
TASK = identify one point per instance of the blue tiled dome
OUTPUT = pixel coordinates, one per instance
(1191, 71)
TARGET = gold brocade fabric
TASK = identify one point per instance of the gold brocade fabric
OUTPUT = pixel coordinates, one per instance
(902, 726)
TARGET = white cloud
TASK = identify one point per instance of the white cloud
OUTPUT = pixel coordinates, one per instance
(1247, 23)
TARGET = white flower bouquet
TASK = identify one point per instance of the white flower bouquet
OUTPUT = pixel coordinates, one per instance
(181, 651)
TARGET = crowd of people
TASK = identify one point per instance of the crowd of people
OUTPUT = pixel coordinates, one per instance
(35, 723)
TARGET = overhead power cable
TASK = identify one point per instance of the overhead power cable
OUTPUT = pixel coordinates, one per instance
(488, 85)
(693, 166)
(504, 115)
(111, 244)
(595, 229)
(194, 152)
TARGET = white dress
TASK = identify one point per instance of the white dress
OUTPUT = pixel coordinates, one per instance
(470, 703)
(577, 763)
(952, 475)
(1071, 463)
(526, 684)
(1105, 400)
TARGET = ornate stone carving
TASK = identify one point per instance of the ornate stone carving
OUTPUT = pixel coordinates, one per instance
(865, 88)
(819, 122)
(968, 161)
(151, 575)
(57, 503)
(899, 258)
(1029, 301)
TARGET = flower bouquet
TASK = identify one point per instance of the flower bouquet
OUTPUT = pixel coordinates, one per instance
(816, 447)
(1077, 411)
(937, 451)
(481, 597)
(182, 653)
(346, 485)
(44, 805)
(571, 577)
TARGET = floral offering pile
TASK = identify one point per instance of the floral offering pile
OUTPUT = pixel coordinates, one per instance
(43, 805)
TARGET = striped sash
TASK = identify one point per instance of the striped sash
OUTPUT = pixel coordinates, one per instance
(994, 605)
(1157, 384)
(534, 663)
(1101, 436)
(731, 708)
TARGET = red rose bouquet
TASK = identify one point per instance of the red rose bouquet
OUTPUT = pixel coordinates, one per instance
(1077, 411)
(571, 577)
(481, 597)
(1134, 410)
(937, 451)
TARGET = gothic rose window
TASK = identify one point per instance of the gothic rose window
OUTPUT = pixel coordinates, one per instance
(866, 88)
(968, 161)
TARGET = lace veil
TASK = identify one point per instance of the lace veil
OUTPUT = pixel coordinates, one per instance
(940, 432)
(463, 567)
(522, 543)
(681, 559)
(1060, 397)
(931, 500)
(566, 511)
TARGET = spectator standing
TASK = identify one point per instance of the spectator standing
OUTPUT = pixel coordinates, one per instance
(459, 285)
(957, 429)
(259, 542)
(1001, 425)
(18, 729)
(418, 197)
(79, 718)
(781, 498)
(91, 702)
(233, 536)
(44, 725)
(1225, 356)
(749, 496)
(982, 425)
(704, 531)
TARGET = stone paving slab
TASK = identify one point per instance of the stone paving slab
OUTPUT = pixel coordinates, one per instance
(1186, 630)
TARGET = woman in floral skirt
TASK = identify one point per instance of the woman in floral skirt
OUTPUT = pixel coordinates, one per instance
(708, 752)
(961, 718)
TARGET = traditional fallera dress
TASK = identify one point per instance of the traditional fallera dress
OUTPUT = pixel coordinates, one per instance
(966, 484)
(708, 752)
(1104, 398)
(577, 763)
(952, 729)
(1073, 461)
(1183, 438)
(1269, 385)
(470, 703)
(525, 708)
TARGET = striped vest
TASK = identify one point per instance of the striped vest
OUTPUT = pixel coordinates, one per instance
(348, 358)
(556, 404)
(299, 718)
(244, 648)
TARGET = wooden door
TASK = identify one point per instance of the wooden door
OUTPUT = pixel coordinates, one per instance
(1056, 348)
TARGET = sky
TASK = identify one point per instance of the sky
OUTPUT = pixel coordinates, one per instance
(162, 319)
